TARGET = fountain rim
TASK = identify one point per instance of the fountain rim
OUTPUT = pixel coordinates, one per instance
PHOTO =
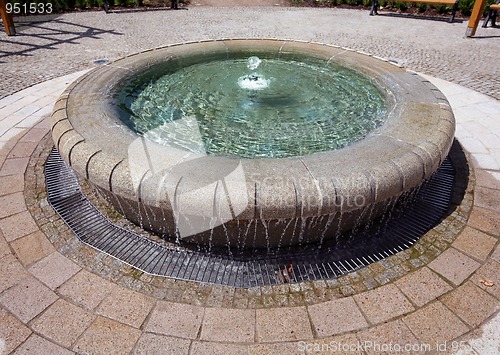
(395, 158)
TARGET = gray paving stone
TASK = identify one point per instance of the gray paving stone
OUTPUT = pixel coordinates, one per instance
(435, 324)
(11, 272)
(454, 266)
(228, 325)
(475, 243)
(54, 269)
(126, 306)
(17, 225)
(471, 304)
(156, 344)
(383, 303)
(106, 336)
(393, 334)
(283, 324)
(63, 322)
(86, 289)
(337, 316)
(201, 348)
(12, 332)
(175, 319)
(38, 345)
(27, 299)
(423, 286)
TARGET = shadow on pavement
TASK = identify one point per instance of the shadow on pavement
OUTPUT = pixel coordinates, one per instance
(46, 33)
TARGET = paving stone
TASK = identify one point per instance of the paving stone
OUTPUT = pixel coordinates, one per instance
(106, 336)
(32, 247)
(38, 345)
(486, 220)
(337, 316)
(12, 332)
(202, 348)
(484, 340)
(11, 272)
(345, 344)
(11, 135)
(175, 319)
(23, 149)
(63, 322)
(4, 247)
(496, 254)
(435, 324)
(471, 304)
(3, 153)
(126, 306)
(14, 166)
(86, 289)
(383, 303)
(161, 344)
(54, 270)
(34, 135)
(17, 225)
(486, 179)
(422, 286)
(11, 184)
(486, 274)
(487, 198)
(27, 299)
(390, 338)
(475, 243)
(228, 325)
(278, 348)
(454, 266)
(283, 324)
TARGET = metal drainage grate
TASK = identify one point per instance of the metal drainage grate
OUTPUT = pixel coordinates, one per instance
(400, 232)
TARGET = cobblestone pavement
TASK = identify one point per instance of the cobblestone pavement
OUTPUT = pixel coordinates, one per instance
(70, 42)
(59, 296)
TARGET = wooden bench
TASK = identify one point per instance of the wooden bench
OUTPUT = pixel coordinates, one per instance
(492, 14)
(374, 8)
(7, 20)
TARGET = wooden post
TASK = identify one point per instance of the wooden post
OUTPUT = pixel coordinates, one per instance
(7, 20)
(477, 13)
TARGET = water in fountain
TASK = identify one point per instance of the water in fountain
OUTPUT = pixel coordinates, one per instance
(255, 107)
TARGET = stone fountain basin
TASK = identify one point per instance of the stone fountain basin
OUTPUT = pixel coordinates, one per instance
(251, 203)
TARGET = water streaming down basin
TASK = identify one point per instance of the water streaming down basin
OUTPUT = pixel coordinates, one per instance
(307, 163)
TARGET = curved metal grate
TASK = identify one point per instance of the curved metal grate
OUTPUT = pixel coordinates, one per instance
(400, 232)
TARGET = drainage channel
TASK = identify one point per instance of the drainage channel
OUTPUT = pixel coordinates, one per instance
(96, 230)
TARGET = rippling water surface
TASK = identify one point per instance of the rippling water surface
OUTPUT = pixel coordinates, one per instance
(303, 107)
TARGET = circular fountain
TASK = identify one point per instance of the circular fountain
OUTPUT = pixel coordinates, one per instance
(298, 168)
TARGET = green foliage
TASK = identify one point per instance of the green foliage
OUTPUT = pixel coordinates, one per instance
(353, 2)
(401, 5)
(85, 4)
(465, 6)
(442, 9)
(421, 7)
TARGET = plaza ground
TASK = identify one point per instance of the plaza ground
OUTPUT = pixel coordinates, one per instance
(59, 296)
